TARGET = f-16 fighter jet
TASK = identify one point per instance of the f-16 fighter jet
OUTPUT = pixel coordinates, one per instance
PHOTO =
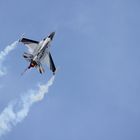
(39, 53)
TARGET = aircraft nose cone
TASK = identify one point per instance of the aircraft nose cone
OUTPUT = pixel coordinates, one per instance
(51, 35)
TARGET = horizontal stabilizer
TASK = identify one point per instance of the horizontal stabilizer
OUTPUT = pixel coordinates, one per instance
(28, 56)
(40, 69)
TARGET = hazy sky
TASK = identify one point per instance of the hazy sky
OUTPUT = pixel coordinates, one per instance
(96, 93)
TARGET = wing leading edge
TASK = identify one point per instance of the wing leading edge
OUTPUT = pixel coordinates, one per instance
(49, 61)
(28, 41)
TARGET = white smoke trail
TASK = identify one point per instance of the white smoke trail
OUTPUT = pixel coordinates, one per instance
(17, 111)
(3, 55)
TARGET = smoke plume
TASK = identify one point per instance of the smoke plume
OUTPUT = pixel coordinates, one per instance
(3, 55)
(16, 111)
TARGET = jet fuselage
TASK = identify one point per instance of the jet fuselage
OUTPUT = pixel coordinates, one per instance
(43, 48)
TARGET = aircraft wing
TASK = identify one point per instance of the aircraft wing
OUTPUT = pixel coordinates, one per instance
(31, 44)
(49, 61)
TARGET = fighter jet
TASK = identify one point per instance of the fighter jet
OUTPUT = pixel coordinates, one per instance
(39, 53)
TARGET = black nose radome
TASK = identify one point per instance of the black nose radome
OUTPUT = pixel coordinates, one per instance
(51, 35)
